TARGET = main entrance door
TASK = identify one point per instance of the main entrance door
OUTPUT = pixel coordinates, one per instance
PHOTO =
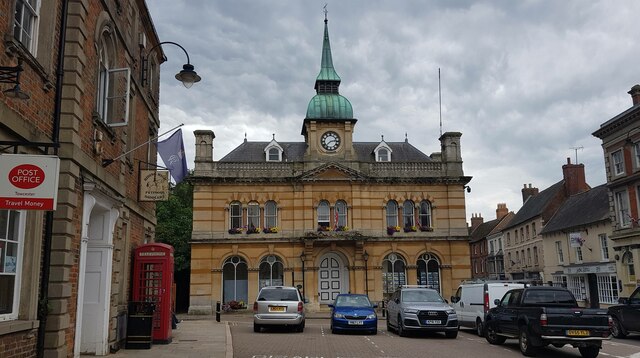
(332, 278)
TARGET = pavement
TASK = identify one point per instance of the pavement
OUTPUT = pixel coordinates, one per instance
(198, 336)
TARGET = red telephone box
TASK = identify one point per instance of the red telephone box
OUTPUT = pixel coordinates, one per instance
(152, 280)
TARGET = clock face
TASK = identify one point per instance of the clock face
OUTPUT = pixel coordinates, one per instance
(330, 141)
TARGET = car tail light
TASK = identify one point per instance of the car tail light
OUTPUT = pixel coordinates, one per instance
(543, 319)
(486, 302)
(255, 307)
(300, 307)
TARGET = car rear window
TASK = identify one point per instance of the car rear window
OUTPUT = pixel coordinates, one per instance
(544, 297)
(278, 294)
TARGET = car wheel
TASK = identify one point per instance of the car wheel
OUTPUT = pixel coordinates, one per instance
(256, 328)
(589, 352)
(616, 329)
(524, 341)
(492, 336)
(479, 328)
(401, 331)
(451, 334)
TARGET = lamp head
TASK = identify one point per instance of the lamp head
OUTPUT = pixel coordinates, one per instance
(188, 76)
(16, 93)
(365, 256)
(302, 256)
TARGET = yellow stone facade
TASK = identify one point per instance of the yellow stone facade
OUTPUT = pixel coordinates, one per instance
(335, 200)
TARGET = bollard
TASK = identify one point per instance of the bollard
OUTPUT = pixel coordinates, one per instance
(217, 311)
(384, 311)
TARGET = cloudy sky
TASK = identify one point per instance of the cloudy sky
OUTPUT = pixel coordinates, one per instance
(524, 81)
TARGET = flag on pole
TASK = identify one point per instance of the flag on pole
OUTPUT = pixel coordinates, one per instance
(171, 151)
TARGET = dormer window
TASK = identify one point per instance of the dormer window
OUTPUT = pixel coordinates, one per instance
(383, 155)
(382, 152)
(273, 151)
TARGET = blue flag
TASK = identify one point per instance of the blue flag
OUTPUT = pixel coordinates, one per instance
(171, 151)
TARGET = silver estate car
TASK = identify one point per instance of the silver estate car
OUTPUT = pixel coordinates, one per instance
(278, 306)
(420, 309)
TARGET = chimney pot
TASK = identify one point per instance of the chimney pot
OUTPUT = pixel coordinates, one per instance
(635, 94)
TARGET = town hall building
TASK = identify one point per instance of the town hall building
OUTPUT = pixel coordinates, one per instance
(326, 214)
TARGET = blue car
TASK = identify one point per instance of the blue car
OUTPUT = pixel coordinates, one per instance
(351, 312)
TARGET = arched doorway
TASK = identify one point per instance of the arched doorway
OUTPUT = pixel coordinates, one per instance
(429, 271)
(332, 278)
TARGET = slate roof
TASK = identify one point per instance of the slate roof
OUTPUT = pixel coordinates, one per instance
(253, 152)
(506, 220)
(483, 230)
(581, 209)
(535, 205)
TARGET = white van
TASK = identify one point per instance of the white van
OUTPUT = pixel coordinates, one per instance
(473, 299)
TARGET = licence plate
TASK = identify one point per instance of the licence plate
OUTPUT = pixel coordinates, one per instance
(277, 309)
(578, 332)
(432, 321)
(356, 323)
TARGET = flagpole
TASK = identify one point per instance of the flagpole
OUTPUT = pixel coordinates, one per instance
(107, 162)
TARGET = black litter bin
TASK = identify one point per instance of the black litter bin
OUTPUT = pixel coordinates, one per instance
(140, 325)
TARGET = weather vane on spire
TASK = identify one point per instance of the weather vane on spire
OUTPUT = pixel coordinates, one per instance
(325, 11)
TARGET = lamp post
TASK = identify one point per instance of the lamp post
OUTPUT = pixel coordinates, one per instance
(302, 258)
(365, 256)
(187, 76)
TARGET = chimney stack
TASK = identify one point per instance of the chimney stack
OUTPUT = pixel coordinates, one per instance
(501, 211)
(476, 220)
(635, 94)
(574, 178)
(528, 191)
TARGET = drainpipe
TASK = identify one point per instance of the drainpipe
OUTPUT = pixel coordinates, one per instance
(43, 302)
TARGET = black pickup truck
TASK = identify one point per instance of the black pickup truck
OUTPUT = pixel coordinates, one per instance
(539, 316)
(626, 315)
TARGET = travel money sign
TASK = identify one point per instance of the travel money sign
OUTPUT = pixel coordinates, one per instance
(29, 182)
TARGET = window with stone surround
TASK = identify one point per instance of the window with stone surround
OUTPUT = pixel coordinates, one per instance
(617, 160)
(25, 24)
(424, 216)
(270, 214)
(113, 84)
(408, 208)
(341, 214)
(604, 246)
(324, 220)
(392, 213)
(622, 208)
(235, 211)
(11, 247)
(253, 215)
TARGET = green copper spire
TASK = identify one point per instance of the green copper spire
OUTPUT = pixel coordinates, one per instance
(328, 104)
(327, 72)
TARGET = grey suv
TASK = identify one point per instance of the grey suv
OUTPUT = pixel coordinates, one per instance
(278, 306)
(420, 309)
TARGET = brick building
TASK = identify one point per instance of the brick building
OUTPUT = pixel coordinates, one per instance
(621, 145)
(479, 244)
(327, 213)
(102, 110)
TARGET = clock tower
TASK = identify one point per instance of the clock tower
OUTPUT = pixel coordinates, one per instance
(328, 125)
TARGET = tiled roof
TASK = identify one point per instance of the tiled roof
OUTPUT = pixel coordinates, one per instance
(581, 209)
(535, 205)
(483, 230)
(253, 152)
(504, 222)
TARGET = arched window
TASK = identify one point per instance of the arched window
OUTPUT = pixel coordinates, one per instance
(429, 271)
(253, 215)
(425, 214)
(383, 155)
(271, 271)
(392, 213)
(235, 210)
(274, 155)
(270, 214)
(112, 91)
(393, 273)
(323, 215)
(408, 208)
(235, 279)
(627, 263)
(340, 214)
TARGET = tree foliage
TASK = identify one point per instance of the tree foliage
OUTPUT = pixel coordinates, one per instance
(175, 223)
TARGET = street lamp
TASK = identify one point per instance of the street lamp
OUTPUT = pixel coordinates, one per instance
(365, 256)
(11, 75)
(302, 258)
(187, 76)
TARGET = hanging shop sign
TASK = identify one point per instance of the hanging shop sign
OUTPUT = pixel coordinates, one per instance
(576, 240)
(154, 185)
(29, 182)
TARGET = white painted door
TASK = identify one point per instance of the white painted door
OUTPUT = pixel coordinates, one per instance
(94, 301)
(331, 278)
